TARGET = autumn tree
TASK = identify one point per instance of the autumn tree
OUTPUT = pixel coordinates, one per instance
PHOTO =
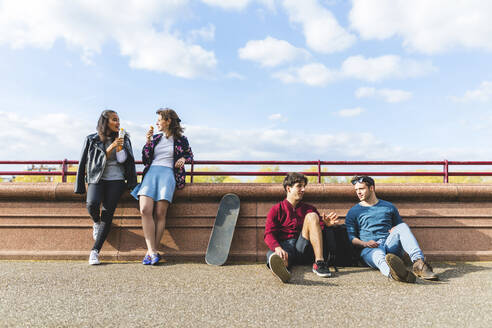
(325, 179)
(433, 179)
(271, 178)
(46, 178)
(211, 178)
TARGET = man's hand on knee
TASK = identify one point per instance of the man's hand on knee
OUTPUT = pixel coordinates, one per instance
(283, 254)
(371, 244)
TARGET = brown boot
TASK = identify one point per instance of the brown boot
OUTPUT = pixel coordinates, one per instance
(406, 259)
(399, 271)
(424, 270)
(278, 268)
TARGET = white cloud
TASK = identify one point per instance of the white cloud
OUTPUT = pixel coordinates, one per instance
(483, 93)
(49, 136)
(394, 96)
(206, 33)
(315, 74)
(384, 67)
(54, 136)
(277, 117)
(365, 92)
(238, 5)
(228, 4)
(271, 52)
(350, 112)
(388, 95)
(45, 137)
(360, 68)
(425, 26)
(152, 51)
(280, 144)
(321, 29)
(143, 31)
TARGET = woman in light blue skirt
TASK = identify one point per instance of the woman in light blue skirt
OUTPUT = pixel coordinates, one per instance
(164, 156)
(159, 184)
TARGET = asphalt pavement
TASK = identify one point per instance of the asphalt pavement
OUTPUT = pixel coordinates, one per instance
(128, 294)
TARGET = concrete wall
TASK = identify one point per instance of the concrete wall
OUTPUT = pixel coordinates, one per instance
(48, 221)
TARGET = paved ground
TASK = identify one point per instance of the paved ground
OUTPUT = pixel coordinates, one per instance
(73, 294)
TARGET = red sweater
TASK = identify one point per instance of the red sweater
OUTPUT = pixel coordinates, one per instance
(285, 222)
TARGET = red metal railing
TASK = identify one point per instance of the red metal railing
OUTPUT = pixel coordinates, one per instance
(445, 164)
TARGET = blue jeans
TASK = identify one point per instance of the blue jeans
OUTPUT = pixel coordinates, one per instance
(399, 240)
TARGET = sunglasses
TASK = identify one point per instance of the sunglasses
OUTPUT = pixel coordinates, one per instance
(368, 180)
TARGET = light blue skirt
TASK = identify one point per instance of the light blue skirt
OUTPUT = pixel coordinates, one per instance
(158, 183)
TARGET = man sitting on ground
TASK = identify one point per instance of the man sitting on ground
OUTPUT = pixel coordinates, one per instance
(293, 231)
(376, 226)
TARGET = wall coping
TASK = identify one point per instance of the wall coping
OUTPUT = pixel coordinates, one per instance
(411, 192)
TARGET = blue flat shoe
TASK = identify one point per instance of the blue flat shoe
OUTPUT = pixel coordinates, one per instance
(147, 260)
(155, 258)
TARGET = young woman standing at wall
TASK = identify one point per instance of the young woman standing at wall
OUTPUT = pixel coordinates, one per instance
(164, 156)
(108, 166)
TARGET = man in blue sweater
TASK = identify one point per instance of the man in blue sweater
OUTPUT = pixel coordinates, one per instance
(376, 226)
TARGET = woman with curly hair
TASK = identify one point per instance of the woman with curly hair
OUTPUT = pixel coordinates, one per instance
(164, 156)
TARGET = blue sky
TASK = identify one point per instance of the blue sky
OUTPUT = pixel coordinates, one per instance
(251, 79)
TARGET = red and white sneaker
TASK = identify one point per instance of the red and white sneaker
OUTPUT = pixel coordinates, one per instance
(321, 269)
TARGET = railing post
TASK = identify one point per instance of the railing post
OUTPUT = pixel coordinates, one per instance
(319, 171)
(446, 171)
(191, 170)
(64, 170)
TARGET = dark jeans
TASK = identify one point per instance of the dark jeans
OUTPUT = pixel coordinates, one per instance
(109, 193)
(300, 250)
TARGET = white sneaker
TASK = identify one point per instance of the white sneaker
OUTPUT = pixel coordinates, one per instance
(94, 258)
(95, 229)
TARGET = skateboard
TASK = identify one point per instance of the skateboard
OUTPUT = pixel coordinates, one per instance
(223, 230)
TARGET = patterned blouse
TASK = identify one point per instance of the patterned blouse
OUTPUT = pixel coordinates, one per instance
(181, 149)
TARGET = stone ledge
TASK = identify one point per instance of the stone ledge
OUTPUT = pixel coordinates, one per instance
(421, 192)
(48, 221)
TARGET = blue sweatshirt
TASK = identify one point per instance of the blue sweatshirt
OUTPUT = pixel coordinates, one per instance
(372, 222)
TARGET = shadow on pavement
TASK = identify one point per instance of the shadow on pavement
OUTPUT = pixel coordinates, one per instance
(458, 270)
(342, 270)
(299, 274)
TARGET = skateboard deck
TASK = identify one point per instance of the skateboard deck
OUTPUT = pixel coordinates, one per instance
(223, 230)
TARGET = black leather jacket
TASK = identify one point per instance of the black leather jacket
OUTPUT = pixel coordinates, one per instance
(93, 161)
